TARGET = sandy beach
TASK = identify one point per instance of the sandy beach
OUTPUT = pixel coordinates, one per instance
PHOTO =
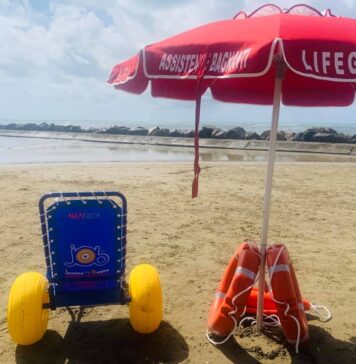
(190, 242)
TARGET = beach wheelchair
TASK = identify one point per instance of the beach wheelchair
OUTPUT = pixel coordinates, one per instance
(84, 237)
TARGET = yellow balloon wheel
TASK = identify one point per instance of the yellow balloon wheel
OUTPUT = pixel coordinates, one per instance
(26, 319)
(146, 299)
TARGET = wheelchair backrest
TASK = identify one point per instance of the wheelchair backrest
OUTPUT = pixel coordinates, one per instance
(85, 240)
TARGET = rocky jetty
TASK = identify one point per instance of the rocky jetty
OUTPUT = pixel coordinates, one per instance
(318, 135)
(323, 135)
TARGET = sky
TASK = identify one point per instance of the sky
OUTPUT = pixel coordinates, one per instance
(55, 58)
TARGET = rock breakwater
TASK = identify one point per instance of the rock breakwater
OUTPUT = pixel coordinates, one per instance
(319, 135)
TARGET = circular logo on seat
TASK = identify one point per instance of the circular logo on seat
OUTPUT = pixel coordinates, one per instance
(85, 256)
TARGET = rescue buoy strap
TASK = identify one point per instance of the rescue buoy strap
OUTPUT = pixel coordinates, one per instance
(220, 294)
(301, 306)
(278, 268)
(246, 272)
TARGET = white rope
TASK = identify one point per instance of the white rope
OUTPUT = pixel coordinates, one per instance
(96, 197)
(47, 211)
(110, 200)
(284, 303)
(49, 241)
(80, 198)
(231, 314)
(227, 337)
(64, 199)
(268, 320)
(321, 311)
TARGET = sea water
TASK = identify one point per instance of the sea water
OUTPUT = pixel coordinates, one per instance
(14, 150)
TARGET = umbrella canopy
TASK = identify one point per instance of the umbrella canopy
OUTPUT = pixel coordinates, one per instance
(298, 56)
(234, 58)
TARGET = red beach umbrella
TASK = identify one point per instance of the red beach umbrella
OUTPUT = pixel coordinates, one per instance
(297, 56)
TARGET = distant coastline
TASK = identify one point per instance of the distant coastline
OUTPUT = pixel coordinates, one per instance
(317, 135)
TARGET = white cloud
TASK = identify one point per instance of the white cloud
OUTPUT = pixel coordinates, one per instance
(75, 45)
(351, 4)
(54, 61)
(71, 49)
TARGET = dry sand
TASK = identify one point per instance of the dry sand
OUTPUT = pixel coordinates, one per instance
(190, 241)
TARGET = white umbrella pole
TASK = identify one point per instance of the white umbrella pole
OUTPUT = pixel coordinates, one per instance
(268, 191)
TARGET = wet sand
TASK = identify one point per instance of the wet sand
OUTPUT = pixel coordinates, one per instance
(190, 242)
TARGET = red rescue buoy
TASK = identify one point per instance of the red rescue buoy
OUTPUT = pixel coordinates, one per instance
(234, 289)
(286, 294)
(269, 306)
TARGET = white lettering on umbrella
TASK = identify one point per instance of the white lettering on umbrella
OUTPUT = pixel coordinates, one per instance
(229, 61)
(306, 65)
(213, 62)
(325, 61)
(224, 61)
(163, 62)
(243, 62)
(352, 62)
(193, 62)
(168, 62)
(315, 54)
(187, 58)
(173, 63)
(329, 62)
(221, 62)
(339, 63)
(218, 63)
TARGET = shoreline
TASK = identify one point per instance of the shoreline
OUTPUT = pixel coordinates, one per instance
(178, 142)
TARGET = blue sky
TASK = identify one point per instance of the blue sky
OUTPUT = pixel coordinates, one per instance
(55, 57)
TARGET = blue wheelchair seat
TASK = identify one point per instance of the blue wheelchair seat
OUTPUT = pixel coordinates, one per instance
(84, 237)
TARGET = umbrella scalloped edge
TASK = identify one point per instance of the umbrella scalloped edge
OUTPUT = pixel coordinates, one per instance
(271, 9)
